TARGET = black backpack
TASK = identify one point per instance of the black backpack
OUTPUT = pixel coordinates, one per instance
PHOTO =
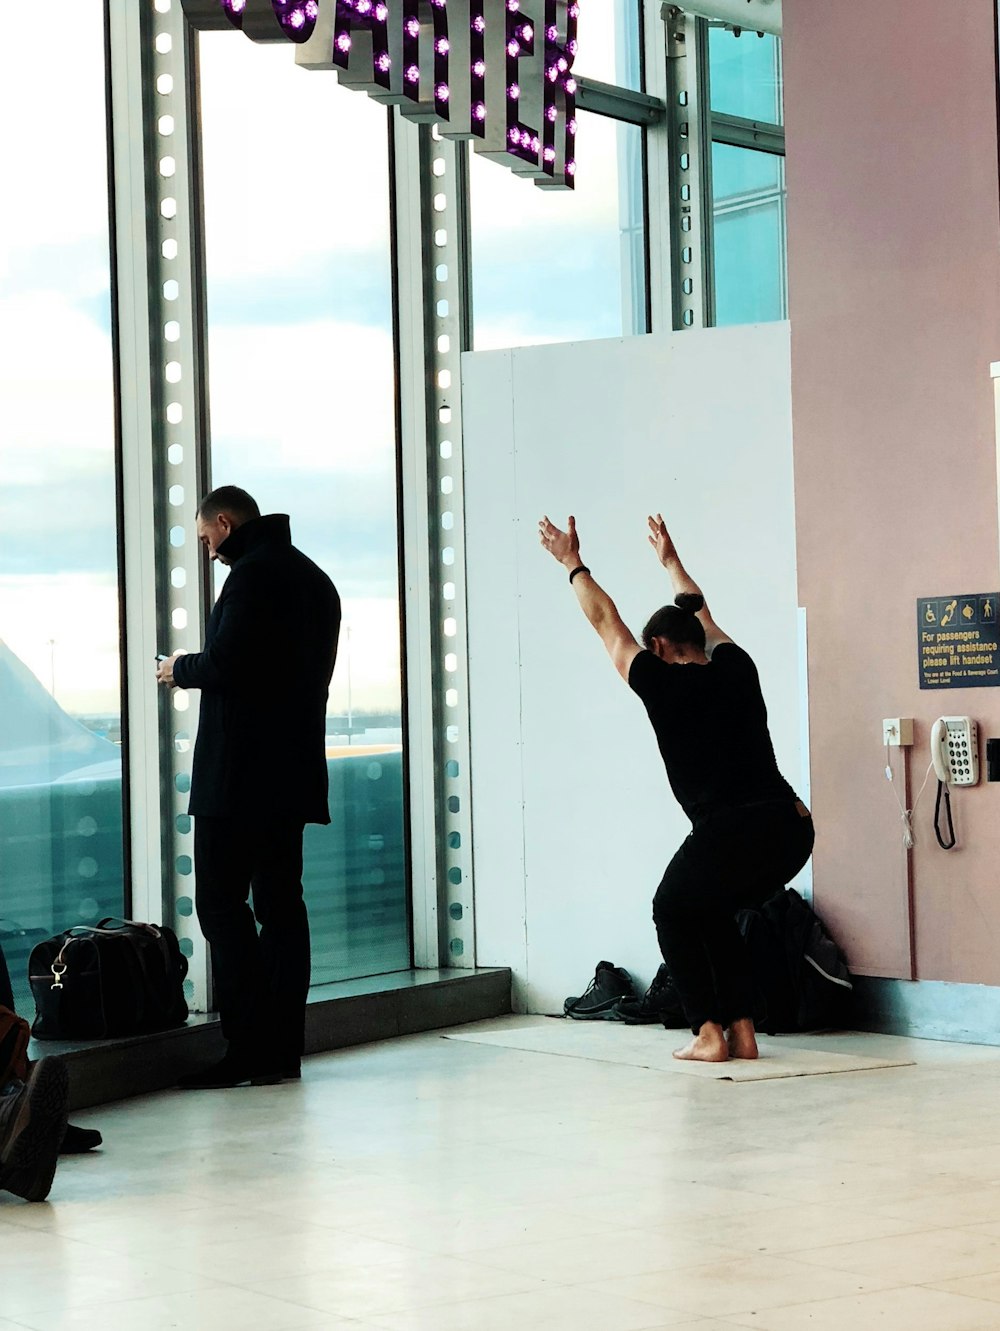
(116, 978)
(800, 972)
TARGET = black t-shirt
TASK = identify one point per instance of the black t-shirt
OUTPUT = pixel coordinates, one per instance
(711, 728)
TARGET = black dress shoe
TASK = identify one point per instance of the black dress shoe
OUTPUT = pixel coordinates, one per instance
(77, 1140)
(227, 1073)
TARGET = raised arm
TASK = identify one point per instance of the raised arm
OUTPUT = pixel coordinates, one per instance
(596, 604)
(662, 542)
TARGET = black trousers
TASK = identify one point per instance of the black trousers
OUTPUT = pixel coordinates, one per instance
(6, 988)
(732, 860)
(261, 980)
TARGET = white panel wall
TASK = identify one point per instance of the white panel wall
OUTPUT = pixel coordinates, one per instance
(573, 819)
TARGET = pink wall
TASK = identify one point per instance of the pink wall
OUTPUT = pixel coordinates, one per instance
(894, 261)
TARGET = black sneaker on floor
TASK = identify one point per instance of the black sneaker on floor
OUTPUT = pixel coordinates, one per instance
(659, 1004)
(610, 983)
(227, 1073)
(32, 1126)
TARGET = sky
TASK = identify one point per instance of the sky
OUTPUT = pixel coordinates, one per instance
(300, 356)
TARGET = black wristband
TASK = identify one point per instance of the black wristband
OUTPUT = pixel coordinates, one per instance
(580, 568)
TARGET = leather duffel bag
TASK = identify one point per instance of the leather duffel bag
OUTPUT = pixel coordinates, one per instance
(115, 978)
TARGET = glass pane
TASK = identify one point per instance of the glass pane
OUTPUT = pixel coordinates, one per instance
(608, 43)
(301, 367)
(60, 701)
(750, 255)
(745, 75)
(561, 266)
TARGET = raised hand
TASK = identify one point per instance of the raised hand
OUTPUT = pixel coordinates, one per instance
(660, 539)
(561, 545)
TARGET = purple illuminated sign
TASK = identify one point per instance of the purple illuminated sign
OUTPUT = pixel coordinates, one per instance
(497, 72)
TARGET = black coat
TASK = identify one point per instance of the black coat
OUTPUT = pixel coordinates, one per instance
(264, 673)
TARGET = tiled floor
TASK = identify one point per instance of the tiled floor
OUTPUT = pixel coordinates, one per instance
(435, 1185)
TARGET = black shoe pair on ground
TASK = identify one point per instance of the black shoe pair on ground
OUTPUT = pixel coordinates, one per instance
(611, 996)
(233, 1070)
(34, 1131)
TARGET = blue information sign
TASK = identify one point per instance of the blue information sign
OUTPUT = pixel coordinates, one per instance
(957, 641)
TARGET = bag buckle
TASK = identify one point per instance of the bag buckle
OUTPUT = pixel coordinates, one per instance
(59, 969)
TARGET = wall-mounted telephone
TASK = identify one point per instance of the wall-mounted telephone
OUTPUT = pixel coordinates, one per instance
(955, 750)
(955, 758)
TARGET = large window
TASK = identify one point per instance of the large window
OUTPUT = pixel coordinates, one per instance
(302, 397)
(553, 266)
(748, 177)
(60, 699)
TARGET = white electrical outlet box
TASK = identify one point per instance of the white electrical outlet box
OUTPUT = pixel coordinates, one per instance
(897, 730)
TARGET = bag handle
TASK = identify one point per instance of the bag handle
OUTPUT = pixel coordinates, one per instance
(114, 923)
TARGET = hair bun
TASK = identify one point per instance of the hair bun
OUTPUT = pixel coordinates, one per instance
(689, 601)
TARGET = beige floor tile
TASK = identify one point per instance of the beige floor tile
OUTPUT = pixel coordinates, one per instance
(574, 1261)
(560, 1309)
(918, 1259)
(790, 1229)
(975, 1287)
(914, 1309)
(422, 1281)
(719, 1289)
(215, 1309)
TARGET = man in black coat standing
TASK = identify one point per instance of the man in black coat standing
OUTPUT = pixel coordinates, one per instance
(259, 775)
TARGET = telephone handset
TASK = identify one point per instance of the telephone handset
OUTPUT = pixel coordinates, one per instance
(955, 758)
(955, 750)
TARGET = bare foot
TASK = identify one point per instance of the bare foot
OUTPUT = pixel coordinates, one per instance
(743, 1039)
(708, 1046)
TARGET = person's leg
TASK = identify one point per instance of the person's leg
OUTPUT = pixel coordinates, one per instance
(679, 917)
(747, 856)
(222, 886)
(6, 988)
(284, 933)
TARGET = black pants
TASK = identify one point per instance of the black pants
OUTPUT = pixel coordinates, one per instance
(733, 859)
(261, 981)
(6, 988)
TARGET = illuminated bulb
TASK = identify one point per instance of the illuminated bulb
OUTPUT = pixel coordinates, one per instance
(515, 136)
(571, 126)
(344, 42)
(550, 154)
(363, 6)
(237, 6)
(383, 62)
(442, 46)
(479, 111)
(412, 28)
(297, 18)
(513, 49)
(571, 168)
(527, 32)
(312, 9)
(563, 64)
(381, 12)
(552, 34)
(442, 92)
(571, 86)
(479, 24)
(412, 74)
(552, 114)
(479, 69)
(513, 92)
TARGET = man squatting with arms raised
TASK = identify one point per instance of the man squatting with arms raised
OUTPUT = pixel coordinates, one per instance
(750, 834)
